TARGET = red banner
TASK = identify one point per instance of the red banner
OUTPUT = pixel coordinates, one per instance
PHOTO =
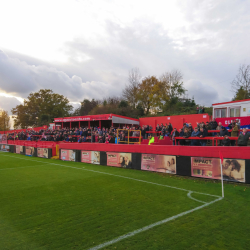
(244, 121)
(84, 118)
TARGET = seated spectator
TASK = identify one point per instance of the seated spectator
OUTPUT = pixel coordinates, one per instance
(203, 133)
(81, 139)
(190, 127)
(181, 131)
(195, 133)
(243, 138)
(29, 138)
(151, 139)
(225, 141)
(158, 128)
(223, 131)
(161, 136)
(186, 135)
(70, 139)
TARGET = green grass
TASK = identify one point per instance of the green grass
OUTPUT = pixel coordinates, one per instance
(47, 206)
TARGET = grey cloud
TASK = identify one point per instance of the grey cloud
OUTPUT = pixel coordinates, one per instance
(20, 78)
(7, 103)
(202, 93)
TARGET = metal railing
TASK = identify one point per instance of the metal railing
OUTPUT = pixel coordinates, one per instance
(129, 137)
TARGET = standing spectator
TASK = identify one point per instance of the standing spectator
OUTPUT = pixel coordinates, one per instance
(230, 126)
(170, 128)
(219, 128)
(175, 133)
(208, 126)
(243, 138)
(238, 123)
(197, 109)
(234, 133)
(214, 125)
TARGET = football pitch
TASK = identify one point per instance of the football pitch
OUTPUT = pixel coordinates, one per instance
(50, 204)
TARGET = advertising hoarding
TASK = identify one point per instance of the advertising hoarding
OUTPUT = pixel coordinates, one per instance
(159, 163)
(68, 155)
(5, 148)
(29, 151)
(120, 160)
(43, 152)
(232, 169)
(19, 149)
(90, 157)
(3, 139)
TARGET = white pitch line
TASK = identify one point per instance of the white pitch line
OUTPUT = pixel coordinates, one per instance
(23, 167)
(130, 234)
(189, 195)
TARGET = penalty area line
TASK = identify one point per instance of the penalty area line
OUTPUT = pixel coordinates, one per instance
(143, 229)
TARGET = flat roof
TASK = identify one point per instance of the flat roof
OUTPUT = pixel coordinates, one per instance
(230, 102)
(91, 118)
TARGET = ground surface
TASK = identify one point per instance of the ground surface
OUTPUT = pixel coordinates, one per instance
(49, 204)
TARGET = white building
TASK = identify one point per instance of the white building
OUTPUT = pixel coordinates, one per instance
(231, 109)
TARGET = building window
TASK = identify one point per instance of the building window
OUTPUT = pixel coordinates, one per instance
(220, 113)
(235, 112)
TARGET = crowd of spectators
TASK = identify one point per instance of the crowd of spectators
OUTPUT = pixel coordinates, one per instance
(110, 135)
(82, 134)
(203, 130)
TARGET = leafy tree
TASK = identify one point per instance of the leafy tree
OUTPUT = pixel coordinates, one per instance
(4, 121)
(241, 94)
(40, 107)
(149, 93)
(123, 104)
(241, 83)
(86, 107)
(115, 106)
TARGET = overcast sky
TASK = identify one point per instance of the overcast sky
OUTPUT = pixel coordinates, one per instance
(85, 49)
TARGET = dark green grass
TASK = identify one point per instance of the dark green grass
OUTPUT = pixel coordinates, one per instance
(46, 206)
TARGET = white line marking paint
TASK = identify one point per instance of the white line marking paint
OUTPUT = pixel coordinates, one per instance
(24, 167)
(189, 196)
(127, 235)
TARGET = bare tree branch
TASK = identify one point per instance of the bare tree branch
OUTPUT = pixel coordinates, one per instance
(242, 80)
(130, 91)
